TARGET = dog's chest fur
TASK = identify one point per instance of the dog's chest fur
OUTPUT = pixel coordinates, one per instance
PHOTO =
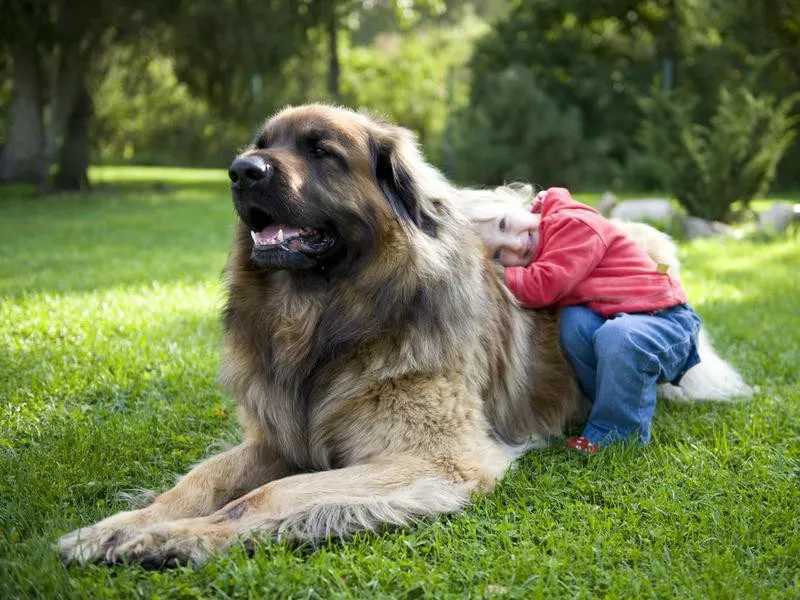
(294, 360)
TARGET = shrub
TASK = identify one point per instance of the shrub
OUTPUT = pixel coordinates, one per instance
(735, 158)
(412, 79)
(519, 132)
(145, 115)
(710, 167)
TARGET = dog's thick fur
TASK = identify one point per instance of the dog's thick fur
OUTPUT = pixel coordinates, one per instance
(386, 380)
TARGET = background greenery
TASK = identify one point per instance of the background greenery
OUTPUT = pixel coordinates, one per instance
(696, 98)
(109, 347)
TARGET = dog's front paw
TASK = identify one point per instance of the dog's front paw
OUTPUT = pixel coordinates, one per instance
(90, 544)
(191, 541)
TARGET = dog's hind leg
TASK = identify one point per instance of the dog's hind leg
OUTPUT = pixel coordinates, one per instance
(313, 506)
(207, 487)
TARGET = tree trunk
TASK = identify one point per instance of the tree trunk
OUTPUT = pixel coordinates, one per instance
(66, 77)
(73, 161)
(23, 158)
(332, 26)
(67, 141)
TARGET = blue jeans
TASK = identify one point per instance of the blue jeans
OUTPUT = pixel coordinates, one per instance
(619, 361)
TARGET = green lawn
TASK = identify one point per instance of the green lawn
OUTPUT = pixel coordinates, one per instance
(109, 346)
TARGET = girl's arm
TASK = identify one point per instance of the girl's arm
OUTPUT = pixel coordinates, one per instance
(569, 254)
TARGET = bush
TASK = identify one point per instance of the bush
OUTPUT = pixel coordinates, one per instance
(519, 132)
(709, 168)
(735, 158)
(412, 79)
(145, 115)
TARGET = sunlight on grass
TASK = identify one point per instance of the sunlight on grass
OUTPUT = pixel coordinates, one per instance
(109, 350)
(126, 174)
(66, 349)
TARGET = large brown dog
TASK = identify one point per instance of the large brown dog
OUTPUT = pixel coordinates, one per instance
(382, 369)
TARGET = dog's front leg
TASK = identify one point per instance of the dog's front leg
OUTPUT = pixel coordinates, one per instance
(313, 506)
(207, 487)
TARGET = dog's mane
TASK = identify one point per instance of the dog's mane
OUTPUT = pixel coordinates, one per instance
(422, 307)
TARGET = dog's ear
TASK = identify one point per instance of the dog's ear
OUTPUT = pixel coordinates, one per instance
(395, 180)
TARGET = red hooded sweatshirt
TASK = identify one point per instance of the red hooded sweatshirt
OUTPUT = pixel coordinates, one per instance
(583, 258)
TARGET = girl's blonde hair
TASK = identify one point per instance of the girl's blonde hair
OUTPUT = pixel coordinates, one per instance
(482, 205)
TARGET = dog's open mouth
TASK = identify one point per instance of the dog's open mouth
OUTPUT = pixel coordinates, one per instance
(278, 245)
(308, 240)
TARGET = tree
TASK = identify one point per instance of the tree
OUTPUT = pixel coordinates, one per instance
(769, 27)
(230, 52)
(23, 158)
(64, 40)
(85, 29)
(590, 58)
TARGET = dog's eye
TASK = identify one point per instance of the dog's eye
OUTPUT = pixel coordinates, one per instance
(318, 152)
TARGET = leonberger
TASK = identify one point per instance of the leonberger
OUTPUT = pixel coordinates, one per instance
(382, 369)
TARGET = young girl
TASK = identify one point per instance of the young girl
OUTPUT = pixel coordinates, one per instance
(624, 326)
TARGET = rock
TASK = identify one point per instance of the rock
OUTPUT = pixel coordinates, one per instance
(695, 227)
(779, 217)
(607, 203)
(649, 210)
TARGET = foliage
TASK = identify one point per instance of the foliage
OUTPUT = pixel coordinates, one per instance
(594, 57)
(412, 80)
(755, 29)
(520, 132)
(710, 167)
(234, 62)
(734, 159)
(601, 57)
(109, 347)
(145, 115)
(50, 41)
(229, 53)
(233, 54)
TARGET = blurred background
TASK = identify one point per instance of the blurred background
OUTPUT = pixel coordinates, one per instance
(692, 98)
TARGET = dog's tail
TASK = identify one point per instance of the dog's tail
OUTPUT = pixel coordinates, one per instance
(711, 379)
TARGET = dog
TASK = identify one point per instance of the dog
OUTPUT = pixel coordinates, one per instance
(382, 369)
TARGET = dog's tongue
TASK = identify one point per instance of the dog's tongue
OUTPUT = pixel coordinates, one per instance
(274, 234)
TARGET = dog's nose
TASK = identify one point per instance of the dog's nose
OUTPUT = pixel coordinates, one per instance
(248, 170)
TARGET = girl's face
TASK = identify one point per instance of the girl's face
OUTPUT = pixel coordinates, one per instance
(510, 233)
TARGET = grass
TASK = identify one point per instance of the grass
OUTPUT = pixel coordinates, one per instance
(109, 345)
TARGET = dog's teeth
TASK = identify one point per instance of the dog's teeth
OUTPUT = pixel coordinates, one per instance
(280, 237)
(253, 235)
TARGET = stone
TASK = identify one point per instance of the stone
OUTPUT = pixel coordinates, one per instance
(695, 227)
(648, 210)
(607, 203)
(779, 217)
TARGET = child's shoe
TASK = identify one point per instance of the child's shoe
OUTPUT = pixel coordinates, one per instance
(581, 444)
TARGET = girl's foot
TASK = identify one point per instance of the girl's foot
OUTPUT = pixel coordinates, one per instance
(581, 444)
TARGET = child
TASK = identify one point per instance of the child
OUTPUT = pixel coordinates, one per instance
(625, 325)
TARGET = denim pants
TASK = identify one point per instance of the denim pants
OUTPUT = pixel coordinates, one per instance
(619, 361)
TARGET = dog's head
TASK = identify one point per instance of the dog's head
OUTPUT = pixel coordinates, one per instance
(320, 187)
